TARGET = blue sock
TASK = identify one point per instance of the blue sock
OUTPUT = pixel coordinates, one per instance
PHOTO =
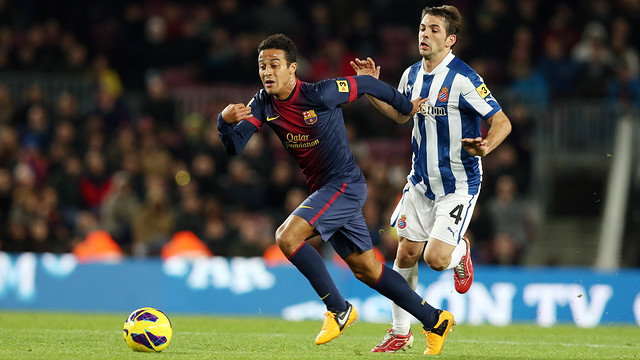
(312, 266)
(393, 286)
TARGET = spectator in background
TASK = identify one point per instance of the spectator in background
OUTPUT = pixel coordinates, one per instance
(512, 221)
(280, 181)
(9, 146)
(189, 215)
(66, 109)
(6, 186)
(624, 55)
(106, 78)
(96, 183)
(110, 111)
(526, 81)
(243, 189)
(130, 60)
(254, 234)
(153, 223)
(76, 61)
(559, 69)
(66, 180)
(206, 175)
(216, 231)
(332, 60)
(37, 128)
(156, 47)
(158, 105)
(265, 14)
(505, 250)
(219, 57)
(323, 24)
(24, 209)
(7, 105)
(124, 144)
(595, 60)
(119, 209)
(155, 159)
(244, 59)
(233, 16)
(624, 89)
(522, 140)
(65, 143)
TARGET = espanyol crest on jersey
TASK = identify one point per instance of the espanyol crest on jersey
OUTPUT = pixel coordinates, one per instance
(444, 94)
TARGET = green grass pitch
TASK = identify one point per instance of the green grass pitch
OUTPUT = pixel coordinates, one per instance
(45, 335)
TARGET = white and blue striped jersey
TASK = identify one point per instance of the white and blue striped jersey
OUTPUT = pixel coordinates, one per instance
(458, 101)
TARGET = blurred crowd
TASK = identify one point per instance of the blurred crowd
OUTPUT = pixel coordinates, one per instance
(143, 171)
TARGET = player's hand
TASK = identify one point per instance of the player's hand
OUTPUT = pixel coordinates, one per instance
(417, 104)
(234, 113)
(365, 67)
(475, 147)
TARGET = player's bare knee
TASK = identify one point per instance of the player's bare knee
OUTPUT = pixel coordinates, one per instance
(284, 241)
(436, 263)
(406, 258)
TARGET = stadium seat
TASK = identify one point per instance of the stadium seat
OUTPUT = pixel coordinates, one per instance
(185, 244)
(98, 246)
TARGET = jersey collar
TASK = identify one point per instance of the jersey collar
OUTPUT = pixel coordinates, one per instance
(443, 64)
(292, 97)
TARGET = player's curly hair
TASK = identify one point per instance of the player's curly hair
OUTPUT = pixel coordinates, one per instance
(280, 42)
(450, 14)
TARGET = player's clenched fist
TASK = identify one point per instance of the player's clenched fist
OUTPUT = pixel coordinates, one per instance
(234, 113)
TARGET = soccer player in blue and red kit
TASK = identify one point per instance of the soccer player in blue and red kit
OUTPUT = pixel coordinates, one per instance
(308, 120)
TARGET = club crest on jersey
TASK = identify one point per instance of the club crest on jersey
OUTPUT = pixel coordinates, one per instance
(402, 222)
(444, 94)
(310, 117)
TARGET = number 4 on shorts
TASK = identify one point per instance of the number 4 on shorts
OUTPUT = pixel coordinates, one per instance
(456, 213)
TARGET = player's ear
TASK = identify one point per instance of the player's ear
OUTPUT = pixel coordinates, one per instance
(292, 68)
(451, 40)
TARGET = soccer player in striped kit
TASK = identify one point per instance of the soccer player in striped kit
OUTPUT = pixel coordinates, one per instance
(308, 121)
(442, 188)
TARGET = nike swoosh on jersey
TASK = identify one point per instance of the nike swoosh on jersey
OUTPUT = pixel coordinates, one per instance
(272, 118)
(305, 207)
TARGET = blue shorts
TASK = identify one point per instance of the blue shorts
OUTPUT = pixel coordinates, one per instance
(336, 212)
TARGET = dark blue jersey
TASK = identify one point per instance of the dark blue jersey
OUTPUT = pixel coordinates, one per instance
(311, 127)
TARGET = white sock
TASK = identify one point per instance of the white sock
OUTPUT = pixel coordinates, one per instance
(457, 254)
(401, 318)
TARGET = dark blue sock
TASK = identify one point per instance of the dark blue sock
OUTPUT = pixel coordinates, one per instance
(393, 286)
(311, 265)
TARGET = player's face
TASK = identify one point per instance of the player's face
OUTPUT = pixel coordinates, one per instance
(277, 78)
(433, 41)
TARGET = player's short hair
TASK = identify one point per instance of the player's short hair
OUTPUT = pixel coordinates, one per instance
(449, 14)
(280, 42)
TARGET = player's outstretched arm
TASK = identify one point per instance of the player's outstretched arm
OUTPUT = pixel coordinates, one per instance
(368, 67)
(234, 132)
(500, 128)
